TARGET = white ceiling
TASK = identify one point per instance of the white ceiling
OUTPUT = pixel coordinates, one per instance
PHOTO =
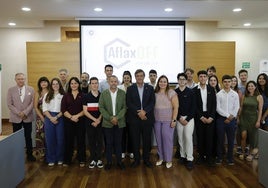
(253, 11)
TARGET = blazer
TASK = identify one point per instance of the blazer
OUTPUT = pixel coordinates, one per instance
(211, 102)
(106, 108)
(134, 103)
(16, 106)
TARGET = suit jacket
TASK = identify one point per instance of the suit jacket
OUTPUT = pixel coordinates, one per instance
(16, 106)
(211, 103)
(106, 108)
(134, 103)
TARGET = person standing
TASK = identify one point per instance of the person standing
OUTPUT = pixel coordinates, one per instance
(84, 79)
(165, 111)
(63, 75)
(43, 86)
(185, 121)
(74, 127)
(249, 119)
(93, 123)
(262, 83)
(140, 103)
(205, 119)
(190, 81)
(126, 143)
(104, 84)
(227, 109)
(243, 76)
(20, 99)
(54, 128)
(152, 77)
(112, 106)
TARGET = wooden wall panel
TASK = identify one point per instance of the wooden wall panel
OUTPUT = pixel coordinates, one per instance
(200, 55)
(46, 58)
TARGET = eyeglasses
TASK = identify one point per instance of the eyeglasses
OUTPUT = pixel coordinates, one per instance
(182, 79)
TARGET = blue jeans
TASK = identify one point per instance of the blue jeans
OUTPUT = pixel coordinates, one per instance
(229, 129)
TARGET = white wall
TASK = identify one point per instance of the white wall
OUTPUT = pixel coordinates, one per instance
(250, 47)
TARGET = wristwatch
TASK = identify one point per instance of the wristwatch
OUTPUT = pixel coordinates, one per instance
(174, 120)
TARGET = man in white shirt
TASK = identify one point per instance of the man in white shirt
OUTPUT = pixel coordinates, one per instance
(227, 108)
(104, 84)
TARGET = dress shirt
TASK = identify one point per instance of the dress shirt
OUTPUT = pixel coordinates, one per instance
(227, 103)
(140, 90)
(113, 96)
(204, 97)
(54, 105)
(22, 93)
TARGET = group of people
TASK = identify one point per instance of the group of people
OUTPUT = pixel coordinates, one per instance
(122, 116)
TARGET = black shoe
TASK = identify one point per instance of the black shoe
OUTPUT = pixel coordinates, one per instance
(189, 165)
(148, 164)
(135, 164)
(108, 166)
(177, 154)
(183, 161)
(31, 158)
(121, 166)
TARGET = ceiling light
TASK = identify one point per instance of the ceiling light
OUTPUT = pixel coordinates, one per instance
(237, 9)
(168, 9)
(26, 9)
(97, 9)
(11, 24)
(247, 24)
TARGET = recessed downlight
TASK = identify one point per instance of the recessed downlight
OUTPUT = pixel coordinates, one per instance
(237, 9)
(247, 24)
(97, 9)
(11, 23)
(168, 9)
(26, 9)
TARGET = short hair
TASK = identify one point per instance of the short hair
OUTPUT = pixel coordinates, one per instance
(109, 65)
(19, 73)
(182, 74)
(212, 68)
(226, 77)
(202, 72)
(242, 70)
(139, 71)
(93, 78)
(63, 70)
(189, 69)
(152, 71)
(85, 73)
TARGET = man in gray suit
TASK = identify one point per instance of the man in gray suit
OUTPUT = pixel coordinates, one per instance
(20, 103)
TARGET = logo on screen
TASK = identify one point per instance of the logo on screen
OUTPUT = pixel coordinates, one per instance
(118, 53)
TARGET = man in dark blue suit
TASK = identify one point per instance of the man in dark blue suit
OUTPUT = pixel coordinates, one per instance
(205, 119)
(140, 103)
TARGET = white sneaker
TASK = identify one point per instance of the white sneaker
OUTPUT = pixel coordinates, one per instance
(60, 162)
(51, 164)
(158, 163)
(99, 164)
(123, 155)
(131, 155)
(169, 164)
(92, 164)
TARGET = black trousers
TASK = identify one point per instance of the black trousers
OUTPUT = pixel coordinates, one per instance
(95, 141)
(126, 141)
(141, 129)
(205, 138)
(113, 137)
(27, 134)
(74, 131)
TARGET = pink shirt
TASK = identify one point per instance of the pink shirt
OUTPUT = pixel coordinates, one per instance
(163, 106)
